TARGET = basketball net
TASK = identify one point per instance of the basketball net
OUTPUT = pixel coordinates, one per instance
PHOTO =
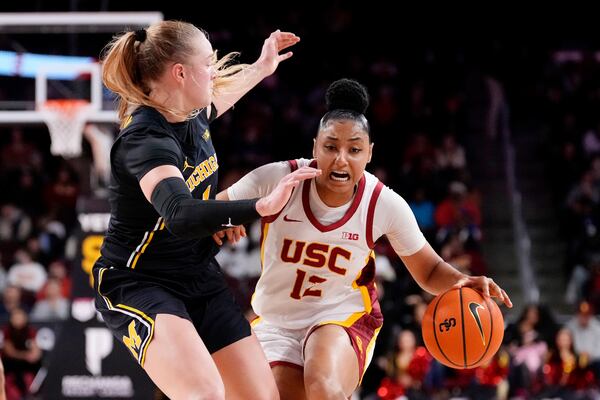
(65, 119)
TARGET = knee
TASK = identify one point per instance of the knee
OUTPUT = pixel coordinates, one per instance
(270, 393)
(207, 392)
(320, 386)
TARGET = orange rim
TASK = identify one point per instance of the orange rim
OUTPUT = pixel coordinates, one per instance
(65, 106)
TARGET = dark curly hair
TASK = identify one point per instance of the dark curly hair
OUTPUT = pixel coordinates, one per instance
(346, 99)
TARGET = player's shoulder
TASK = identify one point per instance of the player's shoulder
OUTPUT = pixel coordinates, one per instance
(143, 116)
(371, 179)
(387, 197)
(148, 137)
(145, 141)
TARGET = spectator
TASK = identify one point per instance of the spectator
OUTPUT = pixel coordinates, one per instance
(565, 371)
(57, 270)
(535, 317)
(21, 355)
(451, 155)
(406, 368)
(15, 225)
(54, 306)
(585, 328)
(528, 359)
(26, 273)
(458, 213)
(11, 300)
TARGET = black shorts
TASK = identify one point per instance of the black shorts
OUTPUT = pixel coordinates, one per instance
(129, 302)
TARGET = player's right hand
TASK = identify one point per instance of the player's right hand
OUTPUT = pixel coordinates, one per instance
(485, 285)
(278, 198)
(269, 57)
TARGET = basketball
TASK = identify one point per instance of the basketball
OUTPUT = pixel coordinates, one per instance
(462, 329)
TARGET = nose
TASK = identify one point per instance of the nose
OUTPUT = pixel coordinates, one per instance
(341, 158)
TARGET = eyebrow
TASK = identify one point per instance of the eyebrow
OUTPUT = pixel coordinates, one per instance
(352, 139)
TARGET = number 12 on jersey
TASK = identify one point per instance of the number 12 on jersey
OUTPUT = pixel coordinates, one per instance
(312, 281)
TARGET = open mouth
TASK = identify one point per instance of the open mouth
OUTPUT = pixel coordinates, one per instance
(339, 176)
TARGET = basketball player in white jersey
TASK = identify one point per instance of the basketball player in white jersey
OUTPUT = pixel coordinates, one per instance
(316, 300)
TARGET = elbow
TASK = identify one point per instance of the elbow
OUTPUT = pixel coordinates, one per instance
(185, 219)
(175, 228)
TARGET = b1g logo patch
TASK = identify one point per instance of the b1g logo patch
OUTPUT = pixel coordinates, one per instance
(350, 236)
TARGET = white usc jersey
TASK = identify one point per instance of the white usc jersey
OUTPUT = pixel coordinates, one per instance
(313, 272)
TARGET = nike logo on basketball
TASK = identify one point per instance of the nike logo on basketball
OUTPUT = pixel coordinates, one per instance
(474, 308)
(286, 219)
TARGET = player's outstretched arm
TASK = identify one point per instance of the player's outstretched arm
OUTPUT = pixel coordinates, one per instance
(256, 183)
(265, 65)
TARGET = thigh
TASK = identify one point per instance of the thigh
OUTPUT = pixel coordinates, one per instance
(244, 369)
(290, 381)
(236, 352)
(129, 308)
(219, 320)
(178, 362)
(328, 352)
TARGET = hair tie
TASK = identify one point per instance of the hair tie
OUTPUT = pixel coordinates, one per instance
(140, 35)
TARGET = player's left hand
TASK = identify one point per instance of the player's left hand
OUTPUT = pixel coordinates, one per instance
(269, 57)
(233, 235)
(485, 285)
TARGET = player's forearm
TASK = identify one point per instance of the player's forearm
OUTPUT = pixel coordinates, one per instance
(244, 81)
(441, 278)
(186, 216)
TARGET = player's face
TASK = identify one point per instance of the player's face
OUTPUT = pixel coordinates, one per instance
(198, 75)
(342, 150)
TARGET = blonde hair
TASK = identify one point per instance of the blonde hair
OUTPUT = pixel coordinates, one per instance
(129, 65)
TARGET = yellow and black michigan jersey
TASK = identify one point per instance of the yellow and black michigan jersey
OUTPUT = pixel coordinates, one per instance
(137, 237)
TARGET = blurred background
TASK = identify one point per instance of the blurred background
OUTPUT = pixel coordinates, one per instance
(493, 141)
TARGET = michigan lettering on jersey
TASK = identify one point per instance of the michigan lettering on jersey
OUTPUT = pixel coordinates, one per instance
(202, 171)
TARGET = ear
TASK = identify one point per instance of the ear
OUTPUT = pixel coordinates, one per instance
(370, 152)
(177, 72)
(314, 152)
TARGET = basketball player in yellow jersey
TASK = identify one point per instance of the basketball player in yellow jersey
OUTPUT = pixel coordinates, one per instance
(316, 300)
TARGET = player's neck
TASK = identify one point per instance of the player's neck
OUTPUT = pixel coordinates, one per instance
(334, 198)
(171, 101)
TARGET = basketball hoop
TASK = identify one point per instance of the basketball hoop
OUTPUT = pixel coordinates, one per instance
(65, 119)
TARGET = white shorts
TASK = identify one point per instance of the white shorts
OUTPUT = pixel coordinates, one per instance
(286, 346)
(281, 346)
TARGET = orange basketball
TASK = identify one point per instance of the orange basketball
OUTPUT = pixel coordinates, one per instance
(462, 329)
